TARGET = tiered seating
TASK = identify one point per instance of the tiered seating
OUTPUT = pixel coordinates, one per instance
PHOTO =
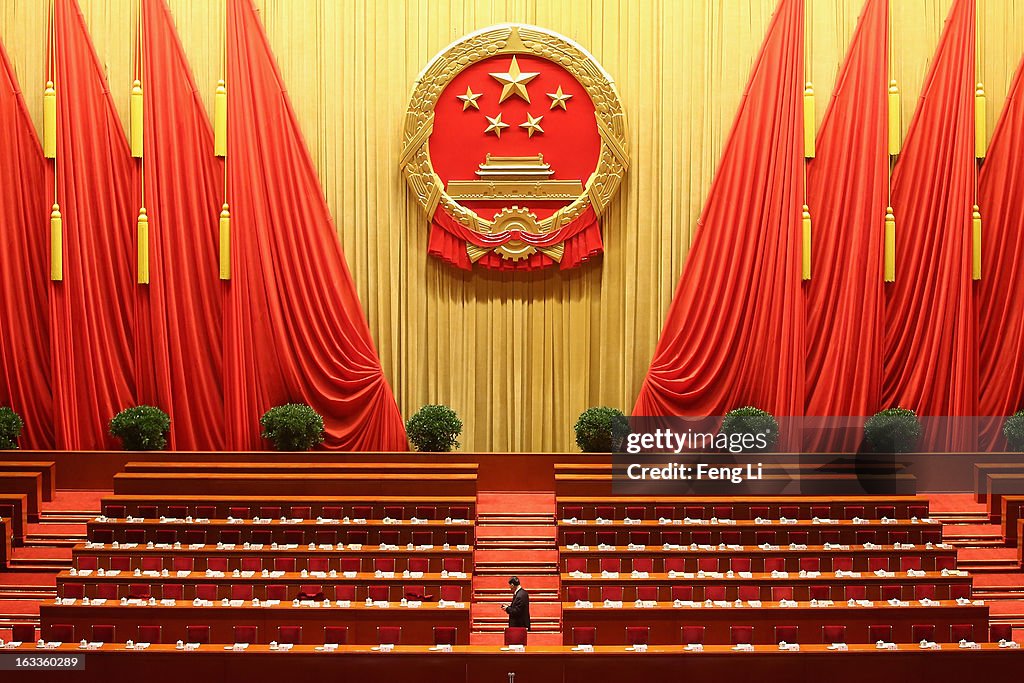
(5, 542)
(14, 507)
(732, 564)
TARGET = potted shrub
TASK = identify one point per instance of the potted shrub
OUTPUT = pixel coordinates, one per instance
(752, 421)
(142, 428)
(293, 427)
(1013, 430)
(601, 430)
(11, 425)
(893, 430)
(434, 429)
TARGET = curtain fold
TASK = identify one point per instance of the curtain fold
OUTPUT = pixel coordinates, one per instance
(1001, 290)
(92, 309)
(734, 332)
(847, 192)
(24, 266)
(295, 329)
(179, 347)
(930, 349)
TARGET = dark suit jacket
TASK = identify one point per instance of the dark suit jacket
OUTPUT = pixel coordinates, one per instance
(519, 609)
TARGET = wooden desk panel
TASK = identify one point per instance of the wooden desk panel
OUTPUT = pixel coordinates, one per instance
(834, 485)
(741, 504)
(1000, 485)
(14, 506)
(46, 470)
(666, 622)
(1010, 507)
(169, 484)
(28, 484)
(443, 504)
(5, 542)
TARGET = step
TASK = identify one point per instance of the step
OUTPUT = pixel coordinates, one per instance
(544, 639)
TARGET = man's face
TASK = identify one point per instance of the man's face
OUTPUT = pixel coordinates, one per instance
(512, 587)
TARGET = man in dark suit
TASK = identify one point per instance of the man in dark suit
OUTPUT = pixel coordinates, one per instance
(519, 610)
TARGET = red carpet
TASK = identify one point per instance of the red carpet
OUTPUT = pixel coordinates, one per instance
(68, 500)
(28, 579)
(27, 607)
(503, 502)
(953, 502)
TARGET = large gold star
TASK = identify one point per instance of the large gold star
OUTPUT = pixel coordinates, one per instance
(558, 98)
(496, 125)
(470, 99)
(532, 124)
(514, 81)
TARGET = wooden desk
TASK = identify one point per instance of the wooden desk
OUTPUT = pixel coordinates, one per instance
(1010, 507)
(800, 584)
(443, 504)
(291, 580)
(278, 529)
(741, 504)
(748, 530)
(999, 485)
(291, 468)
(983, 469)
(171, 484)
(758, 555)
(14, 506)
(46, 470)
(302, 555)
(834, 485)
(666, 621)
(540, 664)
(417, 623)
(5, 542)
(28, 484)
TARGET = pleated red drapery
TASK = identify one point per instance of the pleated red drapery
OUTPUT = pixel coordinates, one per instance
(179, 347)
(92, 309)
(295, 329)
(734, 332)
(930, 355)
(24, 267)
(1001, 291)
(847, 192)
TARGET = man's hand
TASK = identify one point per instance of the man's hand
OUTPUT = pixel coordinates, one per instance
(504, 607)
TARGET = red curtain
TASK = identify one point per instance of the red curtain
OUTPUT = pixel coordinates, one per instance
(1001, 290)
(930, 356)
(734, 333)
(92, 310)
(847, 192)
(179, 347)
(295, 327)
(24, 267)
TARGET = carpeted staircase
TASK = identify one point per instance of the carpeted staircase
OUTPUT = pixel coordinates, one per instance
(515, 535)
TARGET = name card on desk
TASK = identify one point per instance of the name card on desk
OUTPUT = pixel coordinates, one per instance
(583, 648)
(639, 647)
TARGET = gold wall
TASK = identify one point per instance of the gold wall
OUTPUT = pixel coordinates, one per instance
(518, 356)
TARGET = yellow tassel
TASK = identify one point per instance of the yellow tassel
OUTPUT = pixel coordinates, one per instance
(809, 122)
(143, 247)
(806, 243)
(56, 245)
(980, 123)
(976, 243)
(220, 120)
(50, 121)
(895, 132)
(225, 243)
(136, 119)
(890, 245)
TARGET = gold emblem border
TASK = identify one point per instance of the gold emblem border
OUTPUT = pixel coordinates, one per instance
(613, 160)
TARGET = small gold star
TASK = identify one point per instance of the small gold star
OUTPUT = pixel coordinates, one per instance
(470, 99)
(532, 124)
(496, 125)
(559, 98)
(514, 81)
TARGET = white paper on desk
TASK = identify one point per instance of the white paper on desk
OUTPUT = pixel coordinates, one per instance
(168, 602)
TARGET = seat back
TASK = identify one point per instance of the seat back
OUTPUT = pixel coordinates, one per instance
(584, 635)
(880, 632)
(104, 633)
(741, 635)
(997, 632)
(613, 593)
(289, 634)
(515, 635)
(919, 632)
(833, 633)
(693, 635)
(197, 634)
(389, 635)
(139, 591)
(336, 635)
(958, 632)
(638, 635)
(246, 634)
(787, 634)
(445, 635)
(150, 633)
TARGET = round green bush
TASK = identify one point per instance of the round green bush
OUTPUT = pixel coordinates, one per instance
(893, 430)
(11, 425)
(434, 429)
(751, 421)
(293, 427)
(601, 430)
(142, 428)
(1013, 430)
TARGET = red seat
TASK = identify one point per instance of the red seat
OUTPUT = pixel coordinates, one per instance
(810, 564)
(833, 634)
(332, 512)
(148, 511)
(672, 537)
(763, 537)
(139, 591)
(206, 591)
(116, 511)
(611, 564)
(241, 592)
(876, 563)
(384, 564)
(584, 635)
(789, 511)
(289, 634)
(456, 538)
(613, 593)
(270, 511)
(87, 562)
(515, 635)
(64, 633)
(362, 512)
(345, 591)
(571, 511)
(445, 635)
(311, 591)
(694, 511)
(251, 564)
(707, 564)
(73, 590)
(389, 635)
(103, 633)
(359, 537)
(748, 593)
(106, 591)
(640, 537)
(284, 564)
(636, 512)
(336, 635)
(647, 593)
(637, 635)
(842, 564)
(419, 564)
(931, 536)
(851, 511)
(206, 511)
(217, 564)
(732, 538)
(879, 632)
(416, 592)
(945, 562)
(819, 592)
(684, 593)
(606, 538)
(604, 511)
(325, 537)
(674, 564)
(665, 511)
(451, 593)
(798, 537)
(378, 593)
(891, 591)
(349, 564)
(575, 538)
(855, 593)
(239, 512)
(294, 537)
(700, 537)
(787, 634)
(887, 511)
(459, 512)
(899, 537)
(829, 536)
(643, 564)
(394, 511)
(910, 562)
(194, 537)
(693, 635)
(741, 635)
(197, 634)
(135, 536)
(150, 633)
(924, 590)
(172, 591)
(714, 592)
(575, 564)
(919, 632)
(762, 511)
(230, 536)
(423, 538)
(996, 632)
(821, 511)
(959, 590)
(246, 634)
(25, 633)
(318, 564)
(918, 511)
(300, 512)
(722, 511)
(958, 632)
(863, 536)
(780, 593)
(277, 591)
(151, 564)
(774, 564)
(168, 536)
